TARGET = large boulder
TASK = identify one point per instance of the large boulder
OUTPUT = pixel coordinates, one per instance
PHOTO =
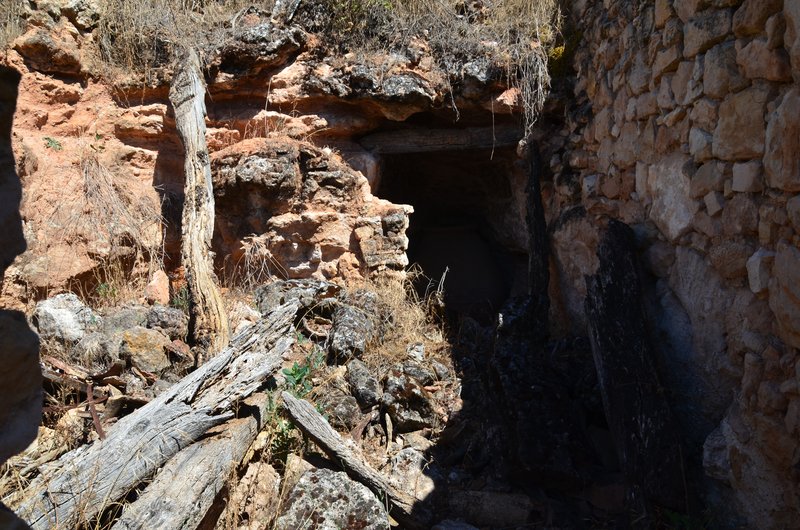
(364, 387)
(352, 331)
(329, 500)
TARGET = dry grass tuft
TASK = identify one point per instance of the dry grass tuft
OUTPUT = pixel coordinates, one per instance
(140, 36)
(515, 34)
(408, 320)
(119, 223)
(11, 21)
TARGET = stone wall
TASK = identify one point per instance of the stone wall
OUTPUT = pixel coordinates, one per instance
(685, 125)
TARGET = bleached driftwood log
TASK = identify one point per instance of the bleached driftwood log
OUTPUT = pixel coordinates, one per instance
(181, 494)
(311, 422)
(84, 482)
(208, 322)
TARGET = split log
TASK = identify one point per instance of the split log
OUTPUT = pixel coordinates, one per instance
(88, 480)
(641, 422)
(208, 321)
(431, 140)
(185, 489)
(311, 422)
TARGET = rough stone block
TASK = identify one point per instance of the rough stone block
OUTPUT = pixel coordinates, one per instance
(700, 143)
(781, 161)
(709, 177)
(784, 293)
(776, 27)
(715, 202)
(704, 114)
(747, 177)
(751, 17)
(673, 208)
(729, 257)
(688, 9)
(741, 129)
(665, 98)
(758, 61)
(791, 12)
(740, 215)
(721, 73)
(663, 12)
(705, 30)
(666, 61)
(792, 210)
(639, 75)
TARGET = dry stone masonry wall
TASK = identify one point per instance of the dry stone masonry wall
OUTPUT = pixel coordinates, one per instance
(686, 126)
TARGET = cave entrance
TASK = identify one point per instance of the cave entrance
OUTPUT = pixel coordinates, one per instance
(469, 220)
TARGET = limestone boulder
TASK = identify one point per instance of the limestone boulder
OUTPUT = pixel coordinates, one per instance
(758, 61)
(752, 15)
(730, 256)
(408, 403)
(65, 319)
(781, 161)
(784, 293)
(791, 12)
(412, 473)
(329, 499)
(157, 291)
(705, 300)
(49, 53)
(363, 385)
(171, 321)
(146, 349)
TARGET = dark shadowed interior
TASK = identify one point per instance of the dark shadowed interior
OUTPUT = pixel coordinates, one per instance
(462, 202)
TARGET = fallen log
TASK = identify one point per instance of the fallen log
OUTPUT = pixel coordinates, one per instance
(311, 422)
(181, 494)
(86, 481)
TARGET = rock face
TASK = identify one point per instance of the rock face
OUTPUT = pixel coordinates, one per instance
(327, 499)
(310, 205)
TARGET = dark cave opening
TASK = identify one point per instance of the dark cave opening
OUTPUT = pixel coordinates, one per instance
(468, 229)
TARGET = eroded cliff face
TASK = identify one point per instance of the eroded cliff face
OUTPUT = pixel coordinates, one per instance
(101, 162)
(685, 126)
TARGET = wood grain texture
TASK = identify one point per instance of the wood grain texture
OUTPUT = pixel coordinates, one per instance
(87, 480)
(208, 322)
(183, 491)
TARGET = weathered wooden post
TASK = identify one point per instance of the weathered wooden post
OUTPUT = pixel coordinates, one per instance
(208, 321)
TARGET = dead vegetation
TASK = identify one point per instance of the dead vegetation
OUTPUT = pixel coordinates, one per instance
(11, 21)
(104, 205)
(515, 35)
(143, 35)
